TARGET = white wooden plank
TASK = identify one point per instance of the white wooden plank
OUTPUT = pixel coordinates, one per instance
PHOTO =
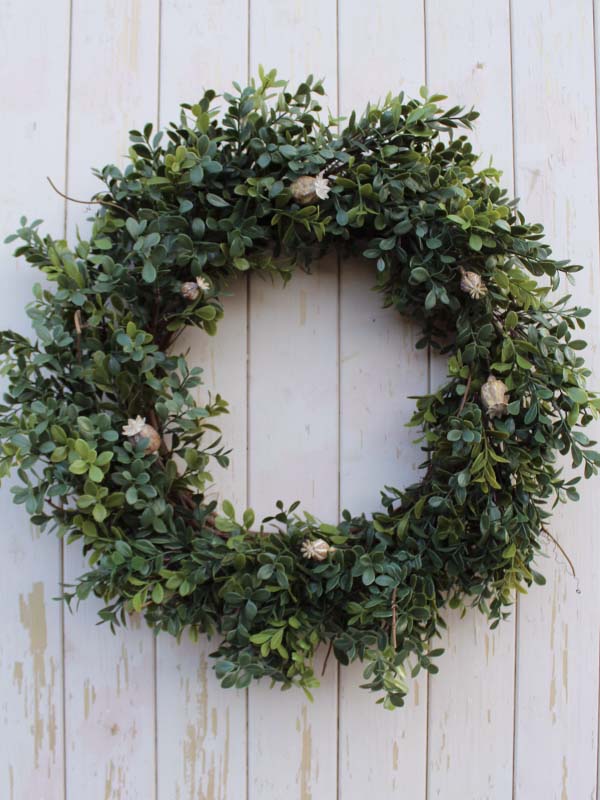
(471, 700)
(293, 452)
(555, 148)
(293, 404)
(381, 753)
(34, 126)
(201, 727)
(110, 714)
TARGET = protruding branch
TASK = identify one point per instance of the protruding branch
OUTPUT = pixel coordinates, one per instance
(88, 202)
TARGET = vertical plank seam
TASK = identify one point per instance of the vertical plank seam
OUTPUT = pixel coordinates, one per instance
(155, 703)
(598, 734)
(248, 504)
(62, 624)
(339, 275)
(428, 677)
(155, 638)
(339, 405)
(517, 626)
(159, 63)
(595, 56)
(68, 113)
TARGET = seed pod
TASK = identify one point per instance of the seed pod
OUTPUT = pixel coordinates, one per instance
(494, 396)
(303, 190)
(317, 549)
(153, 437)
(190, 291)
(309, 188)
(472, 283)
(138, 429)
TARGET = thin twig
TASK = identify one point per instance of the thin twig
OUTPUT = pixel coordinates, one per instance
(77, 322)
(87, 202)
(394, 619)
(54, 506)
(329, 649)
(562, 550)
(465, 395)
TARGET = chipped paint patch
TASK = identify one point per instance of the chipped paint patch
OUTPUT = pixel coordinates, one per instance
(122, 668)
(89, 698)
(32, 613)
(18, 675)
(114, 782)
(565, 662)
(565, 774)
(305, 769)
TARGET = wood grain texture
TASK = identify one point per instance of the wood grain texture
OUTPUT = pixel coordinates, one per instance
(202, 740)
(380, 753)
(292, 418)
(318, 378)
(109, 702)
(34, 80)
(470, 748)
(556, 178)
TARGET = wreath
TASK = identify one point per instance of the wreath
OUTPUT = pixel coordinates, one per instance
(114, 451)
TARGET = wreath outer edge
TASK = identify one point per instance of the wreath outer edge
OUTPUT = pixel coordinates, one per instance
(102, 422)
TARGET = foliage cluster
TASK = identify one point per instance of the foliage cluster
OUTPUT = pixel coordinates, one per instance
(210, 197)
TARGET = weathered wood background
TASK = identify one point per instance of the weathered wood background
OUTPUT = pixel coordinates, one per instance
(318, 378)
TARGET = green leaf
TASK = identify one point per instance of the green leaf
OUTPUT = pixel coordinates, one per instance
(123, 548)
(58, 434)
(577, 395)
(225, 524)
(261, 638)
(288, 150)
(89, 529)
(131, 495)
(419, 275)
(137, 601)
(368, 576)
(58, 454)
(228, 509)
(149, 272)
(99, 513)
(265, 572)
(475, 242)
(330, 530)
(158, 594)
(510, 551)
(206, 312)
(134, 227)
(196, 175)
(216, 201)
(85, 501)
(430, 300)
(96, 474)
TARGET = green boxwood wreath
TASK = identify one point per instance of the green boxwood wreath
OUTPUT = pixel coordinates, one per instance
(114, 451)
